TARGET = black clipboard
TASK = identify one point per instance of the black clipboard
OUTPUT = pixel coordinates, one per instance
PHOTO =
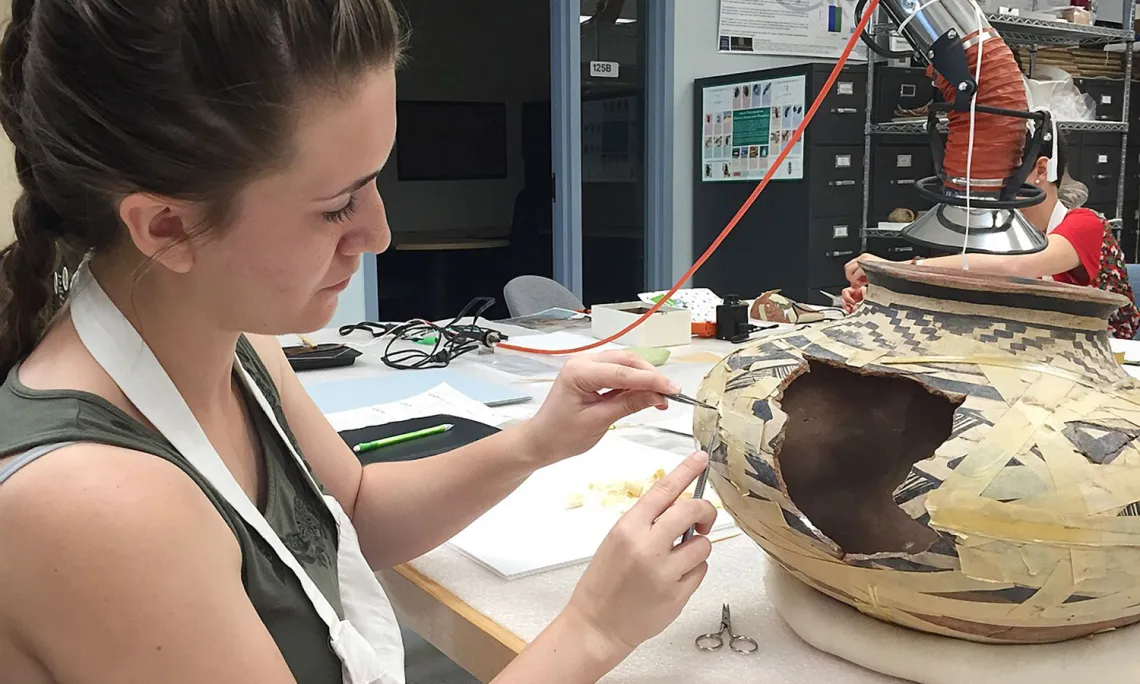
(465, 432)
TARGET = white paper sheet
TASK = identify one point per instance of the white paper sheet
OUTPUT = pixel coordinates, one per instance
(1130, 349)
(442, 398)
(677, 418)
(557, 341)
(532, 530)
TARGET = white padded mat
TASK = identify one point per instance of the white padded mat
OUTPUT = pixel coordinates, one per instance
(1109, 658)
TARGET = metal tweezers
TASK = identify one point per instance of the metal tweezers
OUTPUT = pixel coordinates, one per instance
(699, 491)
(685, 399)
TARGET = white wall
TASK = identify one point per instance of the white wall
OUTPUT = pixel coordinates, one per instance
(696, 56)
(9, 189)
(9, 186)
(470, 51)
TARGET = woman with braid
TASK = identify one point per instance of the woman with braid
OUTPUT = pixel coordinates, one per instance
(173, 506)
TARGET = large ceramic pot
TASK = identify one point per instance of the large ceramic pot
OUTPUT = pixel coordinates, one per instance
(959, 456)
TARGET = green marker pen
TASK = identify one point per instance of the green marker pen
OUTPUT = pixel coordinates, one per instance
(400, 439)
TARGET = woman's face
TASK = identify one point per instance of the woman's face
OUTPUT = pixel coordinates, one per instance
(298, 235)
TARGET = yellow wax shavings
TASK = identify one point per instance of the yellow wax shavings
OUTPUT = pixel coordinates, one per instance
(621, 495)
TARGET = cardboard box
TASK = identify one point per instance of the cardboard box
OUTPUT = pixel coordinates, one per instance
(667, 327)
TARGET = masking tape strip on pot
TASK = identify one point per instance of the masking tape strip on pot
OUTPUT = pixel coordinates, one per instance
(970, 516)
(1003, 361)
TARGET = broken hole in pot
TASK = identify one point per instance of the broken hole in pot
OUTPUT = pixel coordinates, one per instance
(849, 442)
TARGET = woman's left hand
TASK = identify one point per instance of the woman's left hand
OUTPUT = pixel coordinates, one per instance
(854, 269)
(589, 395)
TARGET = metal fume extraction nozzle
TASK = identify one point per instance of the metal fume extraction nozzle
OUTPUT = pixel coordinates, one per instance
(952, 35)
(994, 231)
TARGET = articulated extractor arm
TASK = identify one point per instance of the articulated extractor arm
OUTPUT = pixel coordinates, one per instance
(952, 35)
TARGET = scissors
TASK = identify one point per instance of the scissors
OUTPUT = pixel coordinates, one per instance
(685, 399)
(736, 642)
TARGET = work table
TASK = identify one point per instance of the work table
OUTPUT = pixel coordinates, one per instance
(481, 621)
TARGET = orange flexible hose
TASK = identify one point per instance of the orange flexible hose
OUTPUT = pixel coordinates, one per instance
(867, 14)
(1001, 86)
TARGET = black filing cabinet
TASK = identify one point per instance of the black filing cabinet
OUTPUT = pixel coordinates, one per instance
(799, 233)
(896, 169)
(1108, 96)
(1098, 167)
(900, 88)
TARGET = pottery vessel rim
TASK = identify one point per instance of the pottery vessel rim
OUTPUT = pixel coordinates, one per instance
(957, 279)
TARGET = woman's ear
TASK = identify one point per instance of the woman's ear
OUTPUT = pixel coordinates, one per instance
(1040, 172)
(161, 229)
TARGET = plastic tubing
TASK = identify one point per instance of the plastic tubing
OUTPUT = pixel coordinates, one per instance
(866, 18)
(1001, 85)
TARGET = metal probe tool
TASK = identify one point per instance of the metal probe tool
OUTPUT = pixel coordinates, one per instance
(699, 490)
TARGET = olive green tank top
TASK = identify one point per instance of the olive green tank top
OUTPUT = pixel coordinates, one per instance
(293, 508)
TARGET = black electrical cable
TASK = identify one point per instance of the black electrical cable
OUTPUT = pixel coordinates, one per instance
(436, 346)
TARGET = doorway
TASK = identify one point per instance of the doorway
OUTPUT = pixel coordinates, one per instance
(613, 48)
(468, 187)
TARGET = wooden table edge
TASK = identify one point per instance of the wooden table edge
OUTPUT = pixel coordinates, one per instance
(474, 641)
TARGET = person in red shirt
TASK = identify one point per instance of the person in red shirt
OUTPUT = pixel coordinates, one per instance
(1081, 251)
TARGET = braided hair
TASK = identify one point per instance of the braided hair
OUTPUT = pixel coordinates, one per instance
(27, 264)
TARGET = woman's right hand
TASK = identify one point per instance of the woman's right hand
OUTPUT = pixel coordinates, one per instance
(641, 578)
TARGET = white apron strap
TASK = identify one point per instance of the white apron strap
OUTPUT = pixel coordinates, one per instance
(365, 604)
(124, 355)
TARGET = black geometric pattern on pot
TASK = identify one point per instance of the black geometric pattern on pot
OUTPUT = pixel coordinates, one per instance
(758, 497)
(718, 453)
(958, 387)
(945, 546)
(1077, 598)
(966, 419)
(1007, 334)
(797, 341)
(767, 352)
(765, 474)
(739, 361)
(1131, 510)
(749, 378)
(915, 485)
(793, 521)
(910, 328)
(899, 564)
(782, 372)
(762, 410)
(1089, 365)
(818, 352)
(955, 462)
(1013, 594)
(853, 336)
(1098, 444)
(906, 565)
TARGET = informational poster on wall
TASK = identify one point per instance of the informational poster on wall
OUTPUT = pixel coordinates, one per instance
(802, 28)
(610, 150)
(745, 126)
